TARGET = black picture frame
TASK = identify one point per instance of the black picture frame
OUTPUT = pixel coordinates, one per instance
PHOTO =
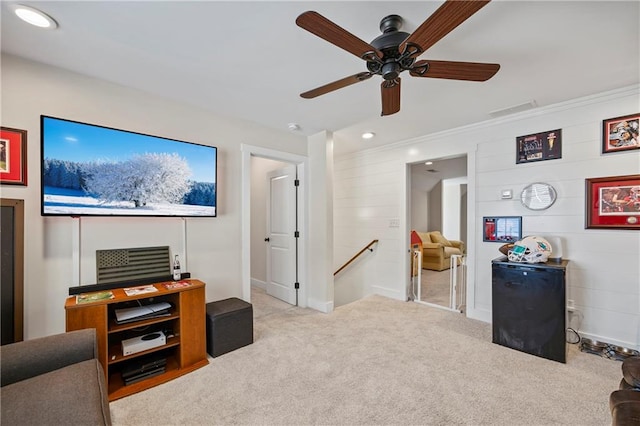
(539, 146)
(501, 229)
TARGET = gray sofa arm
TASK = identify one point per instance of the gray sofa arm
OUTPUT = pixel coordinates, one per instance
(30, 358)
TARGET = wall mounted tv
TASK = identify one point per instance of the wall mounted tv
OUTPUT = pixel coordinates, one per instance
(90, 170)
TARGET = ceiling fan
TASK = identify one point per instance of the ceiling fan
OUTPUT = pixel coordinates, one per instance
(395, 51)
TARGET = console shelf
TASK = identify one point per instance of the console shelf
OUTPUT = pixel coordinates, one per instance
(115, 327)
(185, 349)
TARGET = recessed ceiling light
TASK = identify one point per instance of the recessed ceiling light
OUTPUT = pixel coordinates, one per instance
(34, 16)
(294, 127)
(368, 135)
(428, 163)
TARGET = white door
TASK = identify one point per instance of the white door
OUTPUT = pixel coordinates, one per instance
(281, 228)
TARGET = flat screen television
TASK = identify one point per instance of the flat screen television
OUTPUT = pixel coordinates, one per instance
(91, 170)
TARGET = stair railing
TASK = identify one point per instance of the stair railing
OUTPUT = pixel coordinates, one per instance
(367, 247)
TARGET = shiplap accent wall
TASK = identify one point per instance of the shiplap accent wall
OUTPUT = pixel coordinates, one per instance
(372, 188)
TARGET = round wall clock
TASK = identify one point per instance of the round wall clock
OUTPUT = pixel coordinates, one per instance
(538, 196)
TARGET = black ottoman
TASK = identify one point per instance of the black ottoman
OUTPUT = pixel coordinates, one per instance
(229, 325)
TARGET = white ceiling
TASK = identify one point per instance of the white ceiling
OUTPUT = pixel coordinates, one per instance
(249, 59)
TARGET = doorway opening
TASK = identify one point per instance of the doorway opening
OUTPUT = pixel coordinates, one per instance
(12, 271)
(438, 213)
(264, 244)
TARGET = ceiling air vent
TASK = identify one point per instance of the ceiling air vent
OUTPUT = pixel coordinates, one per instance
(132, 264)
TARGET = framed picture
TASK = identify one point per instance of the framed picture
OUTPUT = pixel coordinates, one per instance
(502, 229)
(13, 156)
(539, 146)
(613, 202)
(620, 133)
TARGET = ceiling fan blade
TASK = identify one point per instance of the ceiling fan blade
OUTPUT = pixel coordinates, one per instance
(472, 71)
(322, 27)
(338, 84)
(390, 96)
(448, 16)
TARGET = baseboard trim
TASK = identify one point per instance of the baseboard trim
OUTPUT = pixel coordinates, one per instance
(387, 292)
(258, 283)
(324, 307)
(479, 314)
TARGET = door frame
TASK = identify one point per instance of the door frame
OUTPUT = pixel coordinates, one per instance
(18, 265)
(302, 165)
(471, 310)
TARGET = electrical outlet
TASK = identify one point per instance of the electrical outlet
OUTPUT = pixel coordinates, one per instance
(394, 223)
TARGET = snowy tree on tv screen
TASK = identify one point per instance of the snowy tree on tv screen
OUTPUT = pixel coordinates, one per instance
(142, 179)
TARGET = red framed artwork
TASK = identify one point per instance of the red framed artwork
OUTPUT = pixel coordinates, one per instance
(13, 156)
(613, 202)
(621, 133)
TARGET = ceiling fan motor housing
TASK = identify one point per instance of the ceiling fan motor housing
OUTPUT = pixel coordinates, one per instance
(389, 67)
(395, 51)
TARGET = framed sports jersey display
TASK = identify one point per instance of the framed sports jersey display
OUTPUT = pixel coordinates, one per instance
(621, 133)
(13, 156)
(613, 202)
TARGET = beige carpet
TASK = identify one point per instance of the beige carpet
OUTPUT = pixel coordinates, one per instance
(435, 287)
(377, 362)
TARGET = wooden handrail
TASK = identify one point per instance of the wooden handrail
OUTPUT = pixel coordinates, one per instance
(354, 257)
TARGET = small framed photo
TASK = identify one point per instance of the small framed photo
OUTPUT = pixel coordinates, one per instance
(13, 156)
(502, 229)
(539, 146)
(613, 202)
(620, 133)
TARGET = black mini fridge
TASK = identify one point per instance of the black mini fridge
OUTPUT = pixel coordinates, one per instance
(529, 307)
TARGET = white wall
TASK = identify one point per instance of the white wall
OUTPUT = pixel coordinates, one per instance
(213, 245)
(451, 201)
(320, 229)
(419, 210)
(603, 277)
(369, 192)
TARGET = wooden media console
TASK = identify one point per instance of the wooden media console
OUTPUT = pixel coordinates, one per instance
(184, 327)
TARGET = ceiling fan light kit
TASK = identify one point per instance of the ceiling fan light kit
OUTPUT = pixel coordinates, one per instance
(395, 51)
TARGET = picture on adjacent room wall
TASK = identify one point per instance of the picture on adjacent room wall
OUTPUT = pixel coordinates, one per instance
(613, 202)
(502, 229)
(620, 133)
(539, 147)
(13, 156)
